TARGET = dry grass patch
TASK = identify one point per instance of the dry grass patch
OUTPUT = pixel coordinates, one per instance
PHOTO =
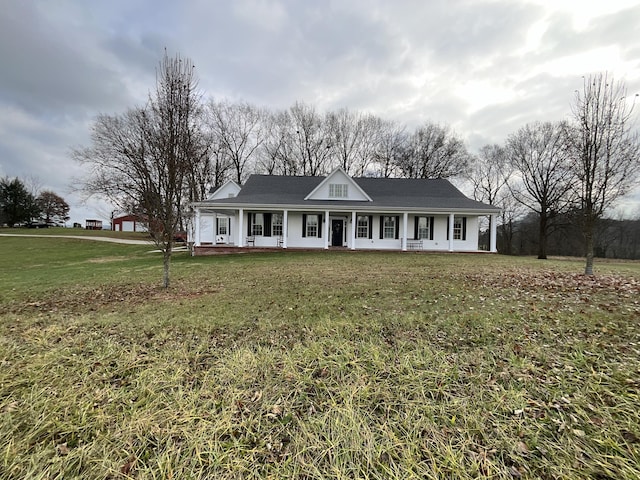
(328, 366)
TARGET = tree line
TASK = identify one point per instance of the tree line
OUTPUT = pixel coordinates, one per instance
(20, 205)
(566, 175)
(157, 158)
(613, 238)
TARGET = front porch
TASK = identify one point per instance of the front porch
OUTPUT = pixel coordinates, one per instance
(206, 250)
(269, 229)
(261, 228)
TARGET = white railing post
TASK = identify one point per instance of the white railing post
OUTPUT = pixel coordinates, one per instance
(240, 227)
(285, 227)
(451, 232)
(493, 240)
(405, 220)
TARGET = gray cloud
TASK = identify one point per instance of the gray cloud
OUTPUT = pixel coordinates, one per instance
(45, 70)
(468, 64)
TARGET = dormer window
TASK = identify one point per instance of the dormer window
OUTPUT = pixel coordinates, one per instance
(338, 190)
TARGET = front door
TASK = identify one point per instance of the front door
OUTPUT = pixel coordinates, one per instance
(337, 227)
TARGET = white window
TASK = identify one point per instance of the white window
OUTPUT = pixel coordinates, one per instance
(362, 227)
(338, 190)
(276, 225)
(257, 224)
(223, 226)
(389, 230)
(459, 228)
(312, 226)
(424, 228)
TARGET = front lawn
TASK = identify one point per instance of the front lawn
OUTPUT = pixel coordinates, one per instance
(317, 365)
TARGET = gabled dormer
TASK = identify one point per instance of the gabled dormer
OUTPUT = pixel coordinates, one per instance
(338, 185)
(228, 190)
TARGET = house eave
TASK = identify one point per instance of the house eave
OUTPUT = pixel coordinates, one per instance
(365, 207)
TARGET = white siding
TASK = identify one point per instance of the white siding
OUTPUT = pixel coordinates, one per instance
(295, 238)
(207, 224)
(338, 177)
(228, 190)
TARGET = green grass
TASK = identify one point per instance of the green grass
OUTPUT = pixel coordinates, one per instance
(76, 232)
(315, 365)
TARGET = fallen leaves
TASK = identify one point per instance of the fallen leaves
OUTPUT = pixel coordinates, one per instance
(522, 448)
(62, 449)
(108, 296)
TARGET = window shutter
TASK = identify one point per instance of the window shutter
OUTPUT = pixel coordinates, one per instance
(267, 225)
(416, 221)
(447, 228)
(304, 224)
(250, 218)
(431, 225)
(217, 230)
(320, 227)
(381, 227)
(397, 227)
(370, 226)
(464, 228)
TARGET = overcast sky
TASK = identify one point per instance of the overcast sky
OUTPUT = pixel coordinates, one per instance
(484, 67)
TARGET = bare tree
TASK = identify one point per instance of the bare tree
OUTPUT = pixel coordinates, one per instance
(512, 212)
(433, 151)
(344, 136)
(276, 157)
(372, 128)
(488, 173)
(220, 163)
(33, 184)
(53, 208)
(237, 129)
(353, 138)
(152, 160)
(605, 151)
(390, 147)
(309, 139)
(539, 154)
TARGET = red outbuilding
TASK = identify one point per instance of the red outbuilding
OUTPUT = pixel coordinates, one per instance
(129, 223)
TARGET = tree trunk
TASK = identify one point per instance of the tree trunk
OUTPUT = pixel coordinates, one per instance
(588, 269)
(167, 266)
(542, 238)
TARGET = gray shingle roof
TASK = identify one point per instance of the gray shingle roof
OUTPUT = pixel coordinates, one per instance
(389, 193)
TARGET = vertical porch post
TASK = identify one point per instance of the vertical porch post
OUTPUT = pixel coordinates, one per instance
(326, 230)
(405, 220)
(451, 232)
(492, 239)
(354, 226)
(240, 227)
(285, 227)
(196, 241)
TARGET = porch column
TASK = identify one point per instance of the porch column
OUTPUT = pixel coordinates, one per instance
(354, 227)
(492, 239)
(451, 232)
(326, 230)
(405, 220)
(240, 227)
(197, 228)
(285, 227)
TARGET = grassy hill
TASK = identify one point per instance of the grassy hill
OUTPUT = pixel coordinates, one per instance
(315, 365)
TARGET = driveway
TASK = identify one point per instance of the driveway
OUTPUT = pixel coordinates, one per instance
(79, 237)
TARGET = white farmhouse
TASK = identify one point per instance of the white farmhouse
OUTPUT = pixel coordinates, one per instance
(338, 211)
